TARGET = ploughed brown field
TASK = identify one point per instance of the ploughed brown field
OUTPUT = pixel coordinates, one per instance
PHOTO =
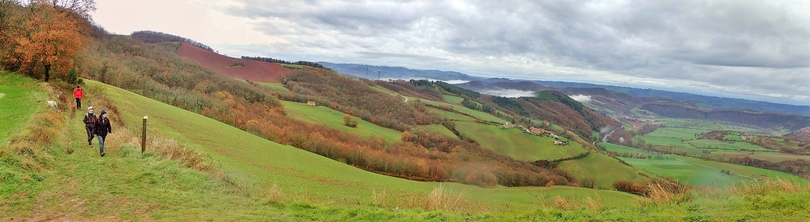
(252, 70)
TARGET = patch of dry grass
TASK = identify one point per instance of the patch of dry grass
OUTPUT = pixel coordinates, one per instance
(29, 148)
(764, 186)
(378, 197)
(441, 198)
(658, 194)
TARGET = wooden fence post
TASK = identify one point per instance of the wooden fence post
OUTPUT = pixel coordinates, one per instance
(143, 135)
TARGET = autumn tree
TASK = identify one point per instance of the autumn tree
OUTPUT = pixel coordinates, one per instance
(348, 121)
(10, 24)
(51, 40)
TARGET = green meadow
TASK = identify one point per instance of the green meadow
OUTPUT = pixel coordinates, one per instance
(453, 99)
(695, 171)
(517, 144)
(261, 163)
(334, 119)
(256, 178)
(769, 156)
(460, 108)
(702, 125)
(438, 129)
(292, 66)
(20, 97)
(450, 115)
(275, 86)
(735, 145)
(603, 169)
(671, 167)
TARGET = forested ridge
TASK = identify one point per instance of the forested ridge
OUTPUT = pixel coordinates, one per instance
(158, 37)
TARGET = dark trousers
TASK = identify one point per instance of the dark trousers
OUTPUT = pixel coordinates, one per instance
(78, 103)
(89, 134)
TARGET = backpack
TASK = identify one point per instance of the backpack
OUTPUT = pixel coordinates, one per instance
(91, 119)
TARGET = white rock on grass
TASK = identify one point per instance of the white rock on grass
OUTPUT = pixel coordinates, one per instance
(52, 104)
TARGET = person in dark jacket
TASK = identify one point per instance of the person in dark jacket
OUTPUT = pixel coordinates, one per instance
(90, 125)
(102, 128)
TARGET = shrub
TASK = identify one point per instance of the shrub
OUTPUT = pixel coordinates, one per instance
(588, 182)
(629, 187)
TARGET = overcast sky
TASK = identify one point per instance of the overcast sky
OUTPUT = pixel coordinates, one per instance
(745, 49)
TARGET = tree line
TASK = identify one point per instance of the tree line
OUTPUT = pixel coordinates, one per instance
(158, 37)
(268, 59)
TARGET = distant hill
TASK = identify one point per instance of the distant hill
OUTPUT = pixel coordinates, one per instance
(387, 72)
(233, 67)
(521, 85)
(699, 100)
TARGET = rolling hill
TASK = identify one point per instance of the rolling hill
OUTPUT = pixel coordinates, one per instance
(254, 178)
(714, 102)
(233, 67)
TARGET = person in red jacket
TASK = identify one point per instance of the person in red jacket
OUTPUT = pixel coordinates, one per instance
(79, 95)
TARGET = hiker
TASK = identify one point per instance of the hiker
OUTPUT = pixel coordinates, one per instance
(78, 93)
(90, 125)
(102, 128)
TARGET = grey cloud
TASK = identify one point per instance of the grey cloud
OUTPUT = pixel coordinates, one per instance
(760, 47)
(375, 55)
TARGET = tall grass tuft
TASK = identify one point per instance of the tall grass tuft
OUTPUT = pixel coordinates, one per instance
(379, 197)
(441, 198)
(28, 149)
(274, 194)
(765, 186)
(660, 194)
(191, 158)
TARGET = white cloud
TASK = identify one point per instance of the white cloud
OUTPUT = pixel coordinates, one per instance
(509, 93)
(581, 98)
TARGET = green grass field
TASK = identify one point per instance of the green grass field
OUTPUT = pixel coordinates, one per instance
(20, 97)
(603, 169)
(292, 66)
(439, 129)
(744, 170)
(450, 115)
(460, 108)
(299, 173)
(702, 125)
(333, 118)
(774, 157)
(256, 164)
(671, 167)
(275, 86)
(516, 144)
(714, 144)
(694, 171)
(453, 99)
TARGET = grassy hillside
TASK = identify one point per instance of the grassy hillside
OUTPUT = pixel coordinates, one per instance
(438, 129)
(460, 108)
(603, 169)
(20, 97)
(256, 178)
(263, 163)
(695, 171)
(516, 144)
(334, 119)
